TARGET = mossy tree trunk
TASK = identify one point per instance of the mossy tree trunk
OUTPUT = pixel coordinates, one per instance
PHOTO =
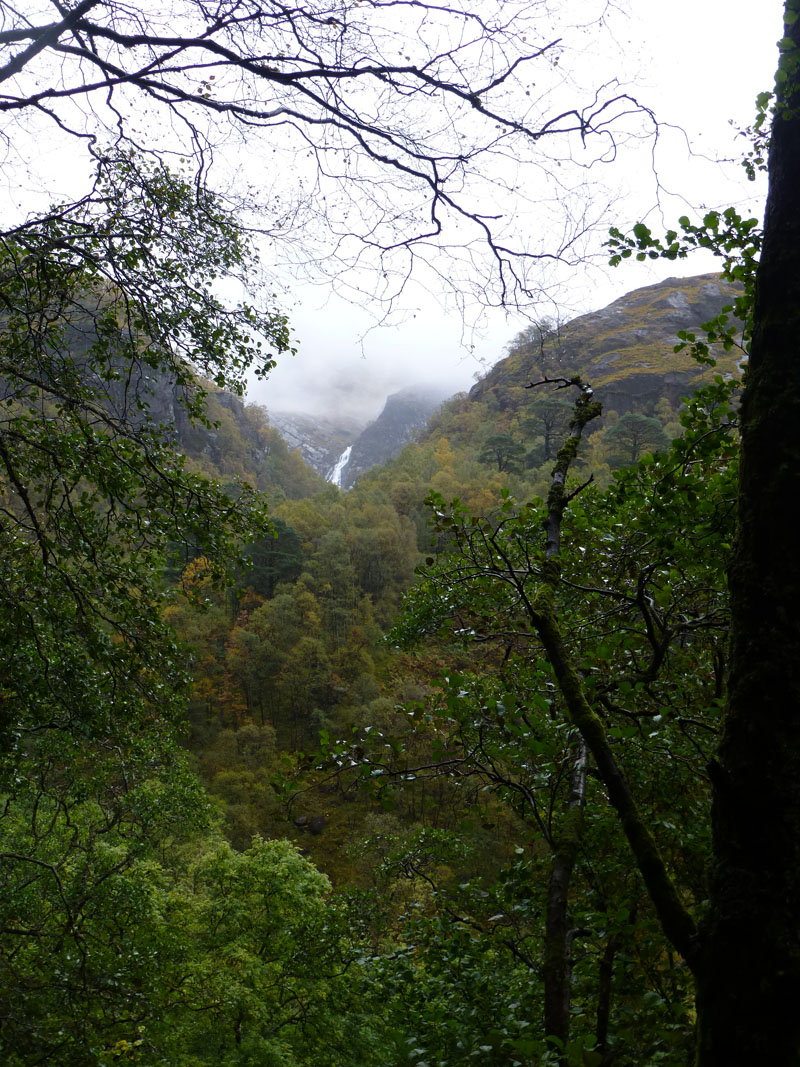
(749, 980)
(557, 967)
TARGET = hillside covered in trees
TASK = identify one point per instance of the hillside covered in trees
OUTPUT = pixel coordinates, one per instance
(411, 757)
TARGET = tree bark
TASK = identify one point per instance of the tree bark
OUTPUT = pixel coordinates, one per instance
(606, 980)
(557, 971)
(749, 980)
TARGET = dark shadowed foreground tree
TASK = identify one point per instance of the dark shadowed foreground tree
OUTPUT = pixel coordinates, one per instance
(748, 948)
(750, 977)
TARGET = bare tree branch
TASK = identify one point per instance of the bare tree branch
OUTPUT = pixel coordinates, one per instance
(416, 115)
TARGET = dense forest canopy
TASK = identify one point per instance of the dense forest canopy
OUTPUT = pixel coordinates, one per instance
(551, 780)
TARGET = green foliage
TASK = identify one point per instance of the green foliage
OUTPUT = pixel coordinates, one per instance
(635, 433)
(109, 315)
(502, 449)
(549, 420)
(642, 600)
(488, 750)
(639, 597)
(106, 305)
(754, 161)
(130, 931)
(734, 239)
(277, 558)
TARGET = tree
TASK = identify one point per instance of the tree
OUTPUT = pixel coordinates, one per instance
(550, 417)
(634, 433)
(744, 951)
(539, 343)
(748, 952)
(108, 317)
(132, 932)
(396, 107)
(103, 339)
(617, 644)
(751, 965)
(502, 449)
(111, 296)
(275, 559)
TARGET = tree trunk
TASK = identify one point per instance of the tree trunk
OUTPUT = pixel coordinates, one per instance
(557, 949)
(749, 977)
(606, 981)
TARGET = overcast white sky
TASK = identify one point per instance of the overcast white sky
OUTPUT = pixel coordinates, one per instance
(698, 64)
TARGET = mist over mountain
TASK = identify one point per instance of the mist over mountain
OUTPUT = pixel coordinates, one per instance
(625, 350)
(404, 414)
(342, 386)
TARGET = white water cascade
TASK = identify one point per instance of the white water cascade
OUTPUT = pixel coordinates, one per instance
(335, 473)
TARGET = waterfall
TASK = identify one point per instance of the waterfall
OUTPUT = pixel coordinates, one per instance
(335, 473)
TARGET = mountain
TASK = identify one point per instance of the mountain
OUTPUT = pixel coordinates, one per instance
(626, 350)
(321, 439)
(404, 414)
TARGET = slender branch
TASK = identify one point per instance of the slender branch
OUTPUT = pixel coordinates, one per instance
(22, 492)
(676, 921)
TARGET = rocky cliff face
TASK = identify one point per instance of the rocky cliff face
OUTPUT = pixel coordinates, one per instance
(626, 349)
(404, 414)
(321, 439)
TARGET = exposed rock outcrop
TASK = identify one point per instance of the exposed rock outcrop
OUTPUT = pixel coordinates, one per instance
(626, 350)
(321, 439)
(404, 414)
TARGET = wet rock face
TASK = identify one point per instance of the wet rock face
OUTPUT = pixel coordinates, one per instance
(321, 439)
(404, 415)
(626, 350)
